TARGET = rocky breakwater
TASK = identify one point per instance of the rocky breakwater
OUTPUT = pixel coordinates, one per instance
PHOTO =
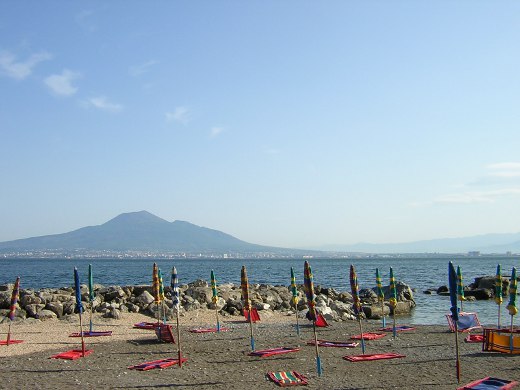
(482, 288)
(114, 301)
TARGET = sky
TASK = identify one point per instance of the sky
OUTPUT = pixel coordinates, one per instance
(285, 123)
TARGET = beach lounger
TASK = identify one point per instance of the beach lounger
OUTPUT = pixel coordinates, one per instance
(320, 321)
(162, 363)
(474, 338)
(287, 378)
(146, 325)
(273, 351)
(73, 354)
(369, 336)
(375, 356)
(92, 334)
(400, 328)
(336, 344)
(164, 333)
(4, 342)
(208, 330)
(255, 317)
(466, 323)
(489, 383)
(501, 340)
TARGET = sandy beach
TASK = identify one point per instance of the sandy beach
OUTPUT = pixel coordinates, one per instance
(222, 361)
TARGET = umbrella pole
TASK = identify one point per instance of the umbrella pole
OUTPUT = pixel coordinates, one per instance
(179, 340)
(81, 334)
(511, 337)
(318, 360)
(9, 334)
(362, 338)
(216, 314)
(297, 321)
(383, 313)
(457, 351)
(394, 330)
(91, 310)
(499, 316)
(251, 330)
(461, 309)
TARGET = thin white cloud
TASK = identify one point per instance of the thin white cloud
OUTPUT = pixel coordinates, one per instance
(180, 114)
(505, 166)
(21, 69)
(140, 69)
(61, 84)
(215, 131)
(478, 196)
(104, 104)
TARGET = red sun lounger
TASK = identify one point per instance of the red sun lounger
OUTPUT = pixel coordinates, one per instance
(4, 342)
(92, 334)
(474, 338)
(164, 333)
(273, 351)
(337, 344)
(287, 378)
(162, 363)
(375, 356)
(146, 325)
(369, 336)
(401, 328)
(208, 330)
(489, 383)
(73, 354)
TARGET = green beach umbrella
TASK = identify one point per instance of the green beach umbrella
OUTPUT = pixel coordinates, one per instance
(380, 295)
(460, 287)
(294, 292)
(308, 283)
(498, 291)
(393, 299)
(161, 294)
(511, 306)
(356, 302)
(214, 297)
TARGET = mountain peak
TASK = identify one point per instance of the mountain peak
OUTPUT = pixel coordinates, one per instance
(136, 217)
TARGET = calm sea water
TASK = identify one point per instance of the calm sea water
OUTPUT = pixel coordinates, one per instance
(420, 274)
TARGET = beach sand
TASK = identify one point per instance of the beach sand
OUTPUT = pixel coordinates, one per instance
(221, 361)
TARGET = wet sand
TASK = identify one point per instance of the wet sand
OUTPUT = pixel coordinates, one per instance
(221, 361)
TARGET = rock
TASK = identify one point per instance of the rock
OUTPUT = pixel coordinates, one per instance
(33, 309)
(113, 313)
(144, 299)
(442, 290)
(480, 293)
(112, 292)
(375, 312)
(46, 315)
(403, 307)
(262, 306)
(56, 308)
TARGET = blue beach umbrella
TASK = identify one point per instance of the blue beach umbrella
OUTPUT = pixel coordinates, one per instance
(176, 306)
(452, 282)
(79, 308)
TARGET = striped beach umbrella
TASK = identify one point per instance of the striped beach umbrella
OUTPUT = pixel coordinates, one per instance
(161, 293)
(12, 308)
(311, 303)
(294, 291)
(380, 295)
(176, 305)
(498, 292)
(511, 306)
(244, 284)
(452, 282)
(91, 295)
(356, 302)
(214, 297)
(393, 299)
(79, 308)
(156, 289)
(460, 287)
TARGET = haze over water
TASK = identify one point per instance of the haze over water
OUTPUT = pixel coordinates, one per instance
(419, 273)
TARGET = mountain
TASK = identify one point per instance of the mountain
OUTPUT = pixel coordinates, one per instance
(139, 231)
(486, 243)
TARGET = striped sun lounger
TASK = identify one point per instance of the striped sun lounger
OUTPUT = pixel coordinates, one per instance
(287, 378)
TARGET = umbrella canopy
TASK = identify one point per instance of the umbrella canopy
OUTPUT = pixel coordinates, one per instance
(175, 289)
(354, 288)
(513, 284)
(452, 279)
(77, 288)
(393, 289)
(214, 292)
(155, 284)
(14, 298)
(244, 284)
(498, 286)
(309, 290)
(294, 290)
(460, 286)
(91, 294)
(161, 286)
(379, 287)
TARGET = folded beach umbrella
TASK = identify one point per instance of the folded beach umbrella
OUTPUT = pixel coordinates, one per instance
(214, 297)
(294, 292)
(356, 302)
(91, 295)
(161, 293)
(511, 306)
(79, 308)
(176, 306)
(12, 308)
(156, 289)
(393, 299)
(498, 292)
(460, 287)
(244, 284)
(380, 295)
(311, 303)
(452, 282)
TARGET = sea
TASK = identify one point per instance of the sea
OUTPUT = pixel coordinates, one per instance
(420, 273)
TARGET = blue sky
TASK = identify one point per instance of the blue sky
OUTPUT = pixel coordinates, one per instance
(287, 123)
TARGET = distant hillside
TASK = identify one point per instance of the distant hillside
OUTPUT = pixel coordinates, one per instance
(487, 243)
(139, 231)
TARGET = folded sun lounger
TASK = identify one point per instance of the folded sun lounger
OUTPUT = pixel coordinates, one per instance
(208, 330)
(4, 342)
(401, 328)
(489, 383)
(337, 344)
(474, 338)
(501, 340)
(92, 334)
(164, 333)
(273, 351)
(162, 363)
(375, 356)
(369, 336)
(146, 325)
(287, 378)
(73, 354)
(466, 323)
